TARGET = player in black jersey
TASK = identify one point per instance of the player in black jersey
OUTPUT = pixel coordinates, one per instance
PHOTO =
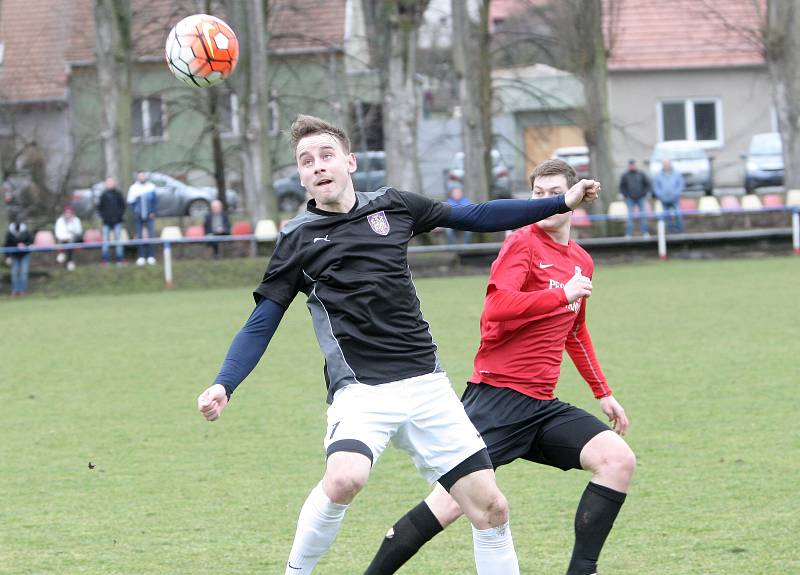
(348, 254)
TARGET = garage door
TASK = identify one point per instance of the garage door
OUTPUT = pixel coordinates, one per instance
(540, 141)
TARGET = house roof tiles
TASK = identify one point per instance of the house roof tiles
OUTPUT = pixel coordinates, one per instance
(653, 34)
(42, 37)
(33, 33)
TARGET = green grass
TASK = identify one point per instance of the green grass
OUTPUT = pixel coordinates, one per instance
(703, 355)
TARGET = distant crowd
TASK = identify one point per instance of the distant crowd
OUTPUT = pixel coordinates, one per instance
(141, 203)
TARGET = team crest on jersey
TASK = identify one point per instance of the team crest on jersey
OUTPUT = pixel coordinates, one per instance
(379, 223)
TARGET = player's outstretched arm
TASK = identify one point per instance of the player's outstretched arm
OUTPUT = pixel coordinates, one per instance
(615, 413)
(500, 215)
(243, 355)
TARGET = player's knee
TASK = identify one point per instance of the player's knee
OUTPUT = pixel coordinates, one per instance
(342, 486)
(620, 462)
(496, 509)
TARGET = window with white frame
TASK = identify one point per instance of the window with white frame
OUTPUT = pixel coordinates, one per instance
(147, 119)
(228, 114)
(698, 119)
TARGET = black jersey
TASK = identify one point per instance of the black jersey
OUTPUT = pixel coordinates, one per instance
(354, 270)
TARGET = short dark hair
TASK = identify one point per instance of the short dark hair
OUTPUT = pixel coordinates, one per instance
(555, 168)
(311, 125)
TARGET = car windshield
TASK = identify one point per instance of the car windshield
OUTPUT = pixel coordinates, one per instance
(663, 153)
(766, 145)
(575, 159)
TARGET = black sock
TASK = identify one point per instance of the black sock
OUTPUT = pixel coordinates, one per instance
(411, 532)
(593, 521)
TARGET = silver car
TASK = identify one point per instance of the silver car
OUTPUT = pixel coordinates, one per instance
(174, 198)
(763, 162)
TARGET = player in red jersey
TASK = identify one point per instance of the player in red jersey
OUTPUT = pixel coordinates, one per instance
(535, 309)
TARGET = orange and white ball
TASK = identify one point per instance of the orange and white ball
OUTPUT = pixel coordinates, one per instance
(202, 50)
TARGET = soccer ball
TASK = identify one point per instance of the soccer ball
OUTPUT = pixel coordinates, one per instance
(201, 50)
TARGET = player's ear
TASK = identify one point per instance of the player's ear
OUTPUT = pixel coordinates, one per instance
(352, 165)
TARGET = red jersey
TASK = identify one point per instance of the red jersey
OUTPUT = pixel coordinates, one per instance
(527, 323)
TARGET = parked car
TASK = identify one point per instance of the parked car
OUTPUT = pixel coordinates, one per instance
(763, 162)
(174, 198)
(689, 158)
(501, 175)
(370, 175)
(577, 157)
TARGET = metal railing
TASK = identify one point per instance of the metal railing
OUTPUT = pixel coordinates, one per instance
(662, 239)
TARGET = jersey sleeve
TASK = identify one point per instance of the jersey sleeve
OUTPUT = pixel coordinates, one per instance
(249, 345)
(581, 350)
(499, 215)
(282, 279)
(505, 299)
(426, 213)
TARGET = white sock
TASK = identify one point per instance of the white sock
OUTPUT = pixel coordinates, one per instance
(494, 551)
(316, 529)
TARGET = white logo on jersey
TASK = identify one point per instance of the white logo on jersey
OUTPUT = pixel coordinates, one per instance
(325, 239)
(379, 223)
(544, 266)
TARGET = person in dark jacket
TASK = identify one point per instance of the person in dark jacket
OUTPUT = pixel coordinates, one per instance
(217, 224)
(112, 212)
(634, 186)
(18, 236)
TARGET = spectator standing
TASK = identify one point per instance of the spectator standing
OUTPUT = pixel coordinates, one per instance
(68, 231)
(112, 211)
(144, 204)
(668, 185)
(217, 224)
(13, 203)
(457, 198)
(18, 236)
(634, 187)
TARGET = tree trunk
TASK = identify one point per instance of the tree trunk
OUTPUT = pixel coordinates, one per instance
(783, 60)
(471, 60)
(113, 49)
(216, 147)
(400, 108)
(252, 82)
(593, 73)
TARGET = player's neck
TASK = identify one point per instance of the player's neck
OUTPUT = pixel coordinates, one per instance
(559, 235)
(342, 205)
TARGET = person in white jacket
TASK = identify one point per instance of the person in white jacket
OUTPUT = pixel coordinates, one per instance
(68, 231)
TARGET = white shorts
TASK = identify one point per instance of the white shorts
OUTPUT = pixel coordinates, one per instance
(421, 415)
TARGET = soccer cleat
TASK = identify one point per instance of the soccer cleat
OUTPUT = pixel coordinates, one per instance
(151, 260)
(70, 266)
(140, 261)
(61, 257)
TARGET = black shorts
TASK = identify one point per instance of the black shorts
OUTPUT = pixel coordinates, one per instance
(515, 426)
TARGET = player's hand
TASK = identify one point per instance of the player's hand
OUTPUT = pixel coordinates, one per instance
(212, 401)
(615, 413)
(577, 287)
(584, 191)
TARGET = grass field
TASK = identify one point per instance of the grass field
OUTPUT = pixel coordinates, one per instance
(703, 355)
